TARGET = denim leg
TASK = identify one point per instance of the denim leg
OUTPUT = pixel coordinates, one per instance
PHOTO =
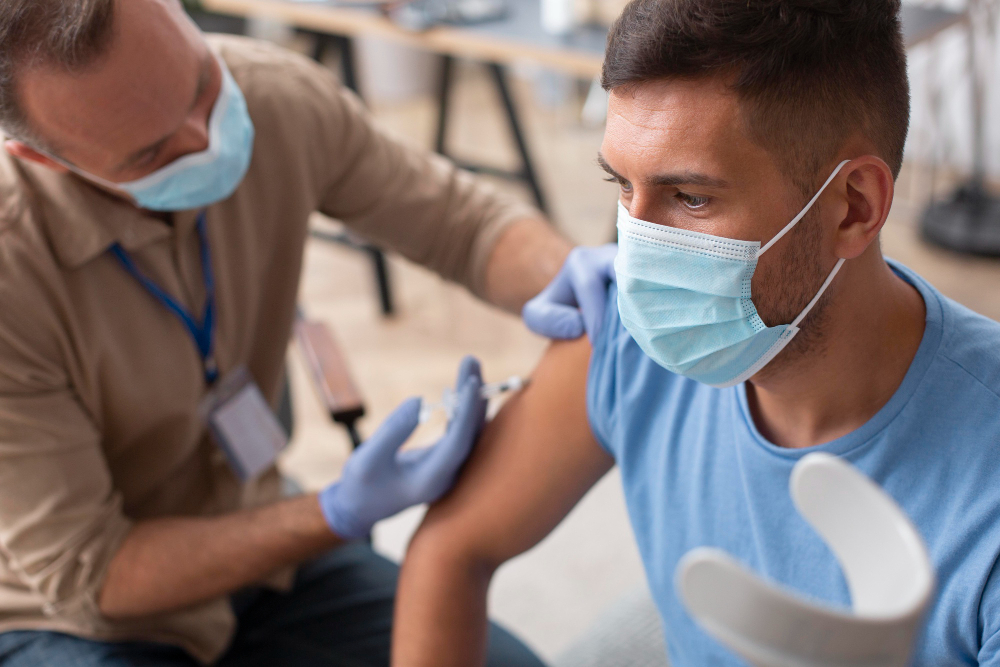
(338, 614)
(35, 648)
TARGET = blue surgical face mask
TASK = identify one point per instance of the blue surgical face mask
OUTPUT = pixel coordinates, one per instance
(685, 299)
(199, 179)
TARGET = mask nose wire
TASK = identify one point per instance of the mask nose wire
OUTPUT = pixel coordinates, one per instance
(803, 212)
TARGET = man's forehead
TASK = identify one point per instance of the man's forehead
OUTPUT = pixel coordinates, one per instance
(677, 119)
(146, 75)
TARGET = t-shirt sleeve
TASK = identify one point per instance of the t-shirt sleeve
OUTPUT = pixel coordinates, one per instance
(602, 376)
(400, 197)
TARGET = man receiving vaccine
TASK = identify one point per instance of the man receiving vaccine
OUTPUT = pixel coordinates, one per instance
(755, 320)
(154, 198)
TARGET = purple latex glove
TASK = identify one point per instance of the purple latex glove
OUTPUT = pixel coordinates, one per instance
(575, 301)
(380, 481)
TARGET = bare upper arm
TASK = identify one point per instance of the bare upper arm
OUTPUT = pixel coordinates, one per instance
(530, 467)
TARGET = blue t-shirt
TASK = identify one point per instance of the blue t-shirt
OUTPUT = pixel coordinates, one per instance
(696, 472)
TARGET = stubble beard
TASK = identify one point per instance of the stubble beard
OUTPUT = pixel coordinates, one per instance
(781, 294)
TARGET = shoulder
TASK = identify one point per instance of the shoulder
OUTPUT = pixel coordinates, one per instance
(32, 293)
(255, 60)
(13, 198)
(23, 241)
(274, 77)
(303, 117)
(970, 342)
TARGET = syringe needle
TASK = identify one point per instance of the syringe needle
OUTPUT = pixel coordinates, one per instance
(488, 391)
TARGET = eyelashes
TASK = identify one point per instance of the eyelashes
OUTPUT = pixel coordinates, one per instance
(625, 185)
(692, 202)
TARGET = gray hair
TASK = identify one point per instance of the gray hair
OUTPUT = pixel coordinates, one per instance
(65, 34)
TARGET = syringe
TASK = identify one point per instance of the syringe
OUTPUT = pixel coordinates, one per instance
(449, 398)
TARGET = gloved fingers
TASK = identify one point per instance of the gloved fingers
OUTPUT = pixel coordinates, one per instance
(591, 270)
(575, 302)
(470, 367)
(553, 320)
(553, 312)
(470, 409)
(447, 456)
(412, 457)
(379, 451)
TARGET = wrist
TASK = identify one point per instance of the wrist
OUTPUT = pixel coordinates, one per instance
(339, 516)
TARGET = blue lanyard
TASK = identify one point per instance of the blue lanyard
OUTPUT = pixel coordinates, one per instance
(203, 334)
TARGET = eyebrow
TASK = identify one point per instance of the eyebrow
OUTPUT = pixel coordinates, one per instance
(673, 180)
(203, 78)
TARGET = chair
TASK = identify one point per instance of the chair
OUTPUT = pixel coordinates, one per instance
(329, 371)
(885, 562)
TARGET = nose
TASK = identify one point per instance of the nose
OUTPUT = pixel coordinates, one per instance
(193, 136)
(641, 207)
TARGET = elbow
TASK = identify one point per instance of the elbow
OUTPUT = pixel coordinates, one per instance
(446, 551)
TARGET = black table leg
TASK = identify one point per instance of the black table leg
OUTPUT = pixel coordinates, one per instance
(444, 97)
(320, 45)
(348, 69)
(349, 77)
(528, 170)
(527, 173)
(381, 267)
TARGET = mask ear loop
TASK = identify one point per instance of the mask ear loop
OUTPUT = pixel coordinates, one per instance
(829, 279)
(788, 228)
(803, 212)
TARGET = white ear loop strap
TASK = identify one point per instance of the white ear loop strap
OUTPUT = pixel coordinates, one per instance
(829, 279)
(803, 212)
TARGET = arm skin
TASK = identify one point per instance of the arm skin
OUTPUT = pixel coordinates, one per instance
(169, 564)
(524, 261)
(532, 464)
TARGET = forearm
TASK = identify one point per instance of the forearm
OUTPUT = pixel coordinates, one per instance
(525, 259)
(440, 608)
(171, 563)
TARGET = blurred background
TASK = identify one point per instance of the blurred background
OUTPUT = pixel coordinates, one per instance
(516, 79)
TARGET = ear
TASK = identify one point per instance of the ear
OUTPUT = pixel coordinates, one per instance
(25, 152)
(869, 189)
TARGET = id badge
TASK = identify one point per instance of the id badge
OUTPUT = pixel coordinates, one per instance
(243, 425)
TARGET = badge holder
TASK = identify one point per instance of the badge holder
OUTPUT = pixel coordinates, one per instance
(242, 424)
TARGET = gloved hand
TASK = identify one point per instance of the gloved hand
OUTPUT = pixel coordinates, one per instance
(380, 481)
(575, 300)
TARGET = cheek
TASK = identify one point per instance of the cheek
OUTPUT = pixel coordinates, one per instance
(788, 275)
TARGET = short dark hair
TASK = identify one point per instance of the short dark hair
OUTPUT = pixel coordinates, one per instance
(807, 73)
(68, 34)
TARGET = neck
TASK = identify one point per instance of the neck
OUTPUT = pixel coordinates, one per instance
(872, 329)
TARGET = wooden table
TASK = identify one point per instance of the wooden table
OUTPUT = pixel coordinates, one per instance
(517, 37)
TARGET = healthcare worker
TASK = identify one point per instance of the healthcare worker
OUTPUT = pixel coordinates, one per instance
(154, 198)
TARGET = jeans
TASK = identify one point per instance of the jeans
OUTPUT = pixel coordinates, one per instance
(338, 614)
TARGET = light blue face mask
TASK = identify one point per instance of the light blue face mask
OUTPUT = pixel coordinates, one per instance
(199, 179)
(685, 299)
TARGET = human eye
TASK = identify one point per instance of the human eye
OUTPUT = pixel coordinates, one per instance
(623, 184)
(144, 160)
(692, 202)
(147, 159)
